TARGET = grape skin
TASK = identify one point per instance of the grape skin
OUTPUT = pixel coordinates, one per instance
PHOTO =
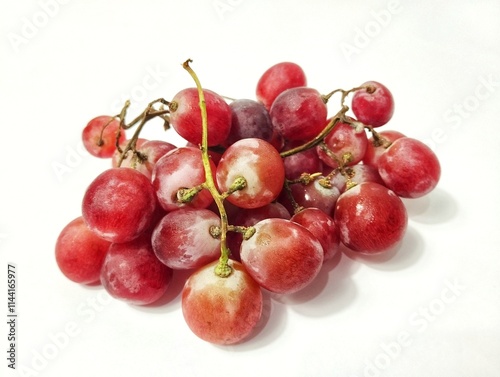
(80, 252)
(278, 78)
(132, 273)
(299, 113)
(119, 204)
(371, 218)
(409, 168)
(180, 168)
(373, 108)
(262, 167)
(185, 118)
(282, 256)
(94, 134)
(222, 310)
(182, 239)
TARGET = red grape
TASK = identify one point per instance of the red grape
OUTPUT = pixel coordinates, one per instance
(306, 161)
(80, 252)
(371, 218)
(99, 136)
(182, 239)
(299, 113)
(374, 105)
(132, 273)
(150, 151)
(346, 144)
(277, 79)
(181, 168)
(262, 167)
(323, 227)
(409, 168)
(185, 116)
(119, 204)
(250, 119)
(282, 256)
(374, 149)
(222, 310)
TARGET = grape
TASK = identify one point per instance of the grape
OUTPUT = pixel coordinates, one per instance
(302, 162)
(262, 167)
(347, 145)
(409, 168)
(119, 204)
(371, 218)
(249, 217)
(277, 79)
(149, 152)
(376, 147)
(323, 227)
(282, 256)
(182, 239)
(185, 116)
(132, 273)
(80, 252)
(222, 310)
(315, 194)
(181, 168)
(374, 105)
(299, 113)
(250, 119)
(99, 136)
(360, 173)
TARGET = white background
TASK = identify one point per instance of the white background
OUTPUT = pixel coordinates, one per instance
(431, 308)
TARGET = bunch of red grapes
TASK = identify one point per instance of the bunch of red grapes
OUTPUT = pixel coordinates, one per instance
(262, 193)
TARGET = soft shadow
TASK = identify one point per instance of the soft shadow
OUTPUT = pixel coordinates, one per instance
(332, 291)
(402, 256)
(170, 300)
(271, 325)
(434, 208)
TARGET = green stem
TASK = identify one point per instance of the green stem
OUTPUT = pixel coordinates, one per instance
(222, 269)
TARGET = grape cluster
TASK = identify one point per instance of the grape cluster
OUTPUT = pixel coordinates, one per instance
(261, 194)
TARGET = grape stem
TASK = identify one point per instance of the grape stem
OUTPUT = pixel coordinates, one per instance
(222, 269)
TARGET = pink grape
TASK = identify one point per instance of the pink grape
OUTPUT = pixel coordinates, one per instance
(282, 256)
(182, 238)
(80, 252)
(262, 167)
(99, 136)
(278, 78)
(181, 168)
(371, 218)
(119, 204)
(299, 113)
(373, 106)
(222, 310)
(323, 227)
(409, 167)
(374, 151)
(132, 273)
(315, 194)
(346, 144)
(185, 116)
(150, 151)
(249, 217)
